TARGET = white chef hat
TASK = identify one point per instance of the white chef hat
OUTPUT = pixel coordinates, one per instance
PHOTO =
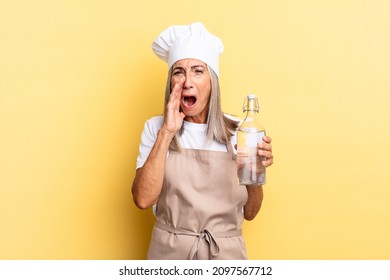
(188, 41)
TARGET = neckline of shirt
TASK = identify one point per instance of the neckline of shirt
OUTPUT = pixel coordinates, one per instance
(195, 126)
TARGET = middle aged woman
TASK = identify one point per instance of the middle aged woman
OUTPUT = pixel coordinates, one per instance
(186, 166)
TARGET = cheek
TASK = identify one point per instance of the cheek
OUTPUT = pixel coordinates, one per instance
(205, 88)
(206, 92)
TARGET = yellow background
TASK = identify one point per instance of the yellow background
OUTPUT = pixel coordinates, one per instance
(78, 79)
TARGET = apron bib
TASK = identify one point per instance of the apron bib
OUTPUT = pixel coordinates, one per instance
(200, 209)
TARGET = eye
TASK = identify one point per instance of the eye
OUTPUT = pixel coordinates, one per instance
(199, 71)
(177, 72)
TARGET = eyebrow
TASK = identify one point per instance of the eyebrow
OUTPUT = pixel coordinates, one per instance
(192, 67)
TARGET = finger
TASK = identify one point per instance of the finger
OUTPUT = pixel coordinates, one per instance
(173, 102)
(267, 162)
(267, 139)
(176, 91)
(265, 146)
(265, 153)
(176, 94)
(182, 115)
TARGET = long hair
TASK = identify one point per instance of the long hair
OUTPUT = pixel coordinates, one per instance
(219, 127)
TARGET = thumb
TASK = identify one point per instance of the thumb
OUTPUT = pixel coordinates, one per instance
(182, 115)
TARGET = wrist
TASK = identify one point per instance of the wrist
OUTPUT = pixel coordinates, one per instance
(166, 134)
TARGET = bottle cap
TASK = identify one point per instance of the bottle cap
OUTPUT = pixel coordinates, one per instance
(251, 96)
(245, 106)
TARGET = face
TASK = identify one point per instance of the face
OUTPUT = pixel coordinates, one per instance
(196, 90)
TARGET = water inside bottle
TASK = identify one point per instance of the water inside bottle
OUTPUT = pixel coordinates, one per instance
(250, 170)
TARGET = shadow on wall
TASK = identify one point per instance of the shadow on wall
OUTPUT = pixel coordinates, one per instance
(142, 224)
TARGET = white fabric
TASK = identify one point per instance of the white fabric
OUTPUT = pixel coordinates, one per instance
(188, 41)
(194, 137)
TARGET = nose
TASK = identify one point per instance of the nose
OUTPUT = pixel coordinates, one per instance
(187, 82)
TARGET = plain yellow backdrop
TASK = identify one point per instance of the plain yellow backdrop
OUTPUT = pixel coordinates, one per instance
(78, 79)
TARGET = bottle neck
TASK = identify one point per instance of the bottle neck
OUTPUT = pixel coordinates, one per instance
(251, 122)
(252, 108)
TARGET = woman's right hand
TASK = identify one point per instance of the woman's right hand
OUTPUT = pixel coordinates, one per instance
(173, 118)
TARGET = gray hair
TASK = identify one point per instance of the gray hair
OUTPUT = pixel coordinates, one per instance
(219, 127)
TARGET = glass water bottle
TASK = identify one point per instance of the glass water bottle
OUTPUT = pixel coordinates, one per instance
(250, 170)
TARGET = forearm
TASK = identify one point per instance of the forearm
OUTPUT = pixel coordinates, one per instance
(253, 204)
(255, 193)
(149, 178)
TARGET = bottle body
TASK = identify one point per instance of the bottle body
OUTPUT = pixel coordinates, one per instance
(250, 170)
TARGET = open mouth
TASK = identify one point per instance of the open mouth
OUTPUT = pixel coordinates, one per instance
(188, 101)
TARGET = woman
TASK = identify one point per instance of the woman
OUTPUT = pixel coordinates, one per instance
(186, 167)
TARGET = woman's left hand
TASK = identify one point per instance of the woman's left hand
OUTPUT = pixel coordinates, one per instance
(265, 149)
